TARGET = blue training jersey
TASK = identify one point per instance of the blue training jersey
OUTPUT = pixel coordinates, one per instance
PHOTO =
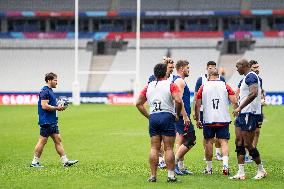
(185, 97)
(47, 117)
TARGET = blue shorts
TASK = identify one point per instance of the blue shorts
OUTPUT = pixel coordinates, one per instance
(221, 132)
(162, 124)
(49, 129)
(180, 126)
(259, 120)
(201, 117)
(247, 122)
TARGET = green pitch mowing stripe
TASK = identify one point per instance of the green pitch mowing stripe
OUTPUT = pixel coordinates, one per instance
(112, 146)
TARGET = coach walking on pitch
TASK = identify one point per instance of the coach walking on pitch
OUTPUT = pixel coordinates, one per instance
(47, 112)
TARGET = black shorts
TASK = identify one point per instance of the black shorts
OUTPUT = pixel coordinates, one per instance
(48, 129)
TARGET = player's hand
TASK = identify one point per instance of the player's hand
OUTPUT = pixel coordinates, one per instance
(263, 103)
(186, 121)
(199, 125)
(60, 108)
(177, 118)
(236, 112)
(194, 117)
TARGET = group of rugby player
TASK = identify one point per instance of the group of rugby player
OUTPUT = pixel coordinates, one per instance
(168, 96)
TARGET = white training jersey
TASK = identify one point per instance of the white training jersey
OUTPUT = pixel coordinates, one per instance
(204, 79)
(215, 102)
(159, 97)
(255, 106)
(171, 78)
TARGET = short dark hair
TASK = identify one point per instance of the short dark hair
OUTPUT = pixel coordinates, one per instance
(243, 62)
(252, 62)
(49, 76)
(181, 64)
(211, 63)
(160, 70)
(214, 73)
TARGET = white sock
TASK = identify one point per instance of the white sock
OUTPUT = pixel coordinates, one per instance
(35, 160)
(241, 169)
(218, 151)
(161, 158)
(180, 164)
(225, 161)
(152, 176)
(209, 165)
(247, 152)
(64, 159)
(171, 174)
(260, 167)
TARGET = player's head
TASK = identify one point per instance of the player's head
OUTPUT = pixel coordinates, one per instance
(51, 79)
(242, 66)
(253, 64)
(211, 65)
(160, 70)
(182, 67)
(170, 65)
(213, 75)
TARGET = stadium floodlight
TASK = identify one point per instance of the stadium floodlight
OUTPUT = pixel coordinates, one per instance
(137, 78)
(76, 86)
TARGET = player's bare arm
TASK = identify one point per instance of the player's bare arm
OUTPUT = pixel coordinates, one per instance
(253, 89)
(197, 113)
(178, 102)
(46, 106)
(193, 105)
(181, 84)
(140, 106)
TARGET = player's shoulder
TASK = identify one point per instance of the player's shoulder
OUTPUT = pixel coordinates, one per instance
(252, 74)
(151, 78)
(199, 79)
(251, 78)
(175, 77)
(222, 78)
(44, 89)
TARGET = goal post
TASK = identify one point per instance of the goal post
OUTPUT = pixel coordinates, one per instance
(77, 72)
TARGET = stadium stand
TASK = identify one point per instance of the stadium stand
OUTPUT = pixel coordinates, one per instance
(271, 4)
(130, 5)
(209, 5)
(24, 69)
(198, 57)
(122, 62)
(54, 5)
(269, 42)
(176, 43)
(40, 43)
(269, 62)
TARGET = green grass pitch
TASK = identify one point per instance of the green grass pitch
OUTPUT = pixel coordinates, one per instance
(112, 146)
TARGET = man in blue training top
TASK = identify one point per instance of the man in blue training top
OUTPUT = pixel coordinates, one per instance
(184, 128)
(47, 112)
(211, 66)
(247, 114)
(255, 68)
